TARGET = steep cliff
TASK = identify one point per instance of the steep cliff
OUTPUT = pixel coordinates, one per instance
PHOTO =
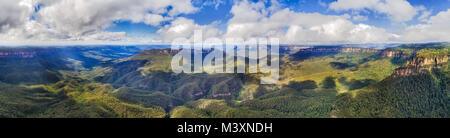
(319, 51)
(424, 61)
(334, 49)
(394, 54)
(418, 89)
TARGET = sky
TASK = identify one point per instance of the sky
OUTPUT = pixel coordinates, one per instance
(129, 22)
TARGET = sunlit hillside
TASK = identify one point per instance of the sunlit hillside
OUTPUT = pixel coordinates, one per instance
(135, 82)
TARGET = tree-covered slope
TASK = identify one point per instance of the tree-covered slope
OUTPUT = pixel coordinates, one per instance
(317, 82)
(418, 89)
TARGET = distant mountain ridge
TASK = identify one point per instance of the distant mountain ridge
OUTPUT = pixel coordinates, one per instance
(324, 81)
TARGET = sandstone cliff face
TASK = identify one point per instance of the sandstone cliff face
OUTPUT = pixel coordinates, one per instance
(408, 71)
(420, 61)
(287, 48)
(358, 50)
(291, 49)
(394, 54)
(339, 49)
(419, 65)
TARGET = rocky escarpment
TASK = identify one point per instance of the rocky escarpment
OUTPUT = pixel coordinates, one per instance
(319, 51)
(408, 71)
(326, 49)
(422, 61)
(291, 49)
(394, 54)
(358, 50)
(419, 65)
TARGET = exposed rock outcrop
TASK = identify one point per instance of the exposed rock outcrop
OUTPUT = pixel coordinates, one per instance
(419, 65)
(421, 61)
(358, 50)
(394, 54)
(408, 71)
(326, 49)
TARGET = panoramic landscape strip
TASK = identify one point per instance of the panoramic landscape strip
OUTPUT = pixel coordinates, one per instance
(224, 59)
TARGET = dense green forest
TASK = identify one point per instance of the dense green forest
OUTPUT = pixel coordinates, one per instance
(410, 80)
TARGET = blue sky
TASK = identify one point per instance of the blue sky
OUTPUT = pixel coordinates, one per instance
(44, 22)
(210, 13)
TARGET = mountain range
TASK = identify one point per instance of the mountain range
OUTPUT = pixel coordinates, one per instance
(408, 80)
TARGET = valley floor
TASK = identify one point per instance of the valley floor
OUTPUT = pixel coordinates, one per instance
(406, 81)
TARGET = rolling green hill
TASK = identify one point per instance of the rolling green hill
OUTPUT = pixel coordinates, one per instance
(315, 82)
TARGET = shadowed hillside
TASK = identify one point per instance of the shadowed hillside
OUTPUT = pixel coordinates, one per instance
(315, 82)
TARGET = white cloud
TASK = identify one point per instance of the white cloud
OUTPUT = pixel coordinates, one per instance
(397, 10)
(154, 19)
(185, 28)
(338, 31)
(215, 3)
(14, 13)
(81, 20)
(424, 16)
(360, 18)
(253, 20)
(78, 21)
(321, 3)
(436, 29)
(79, 17)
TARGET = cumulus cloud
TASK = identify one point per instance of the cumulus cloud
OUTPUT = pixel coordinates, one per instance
(215, 3)
(321, 3)
(337, 31)
(359, 18)
(76, 21)
(436, 29)
(397, 10)
(185, 28)
(79, 17)
(424, 16)
(82, 19)
(254, 20)
(14, 13)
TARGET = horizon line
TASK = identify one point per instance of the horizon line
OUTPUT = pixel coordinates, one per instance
(335, 44)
